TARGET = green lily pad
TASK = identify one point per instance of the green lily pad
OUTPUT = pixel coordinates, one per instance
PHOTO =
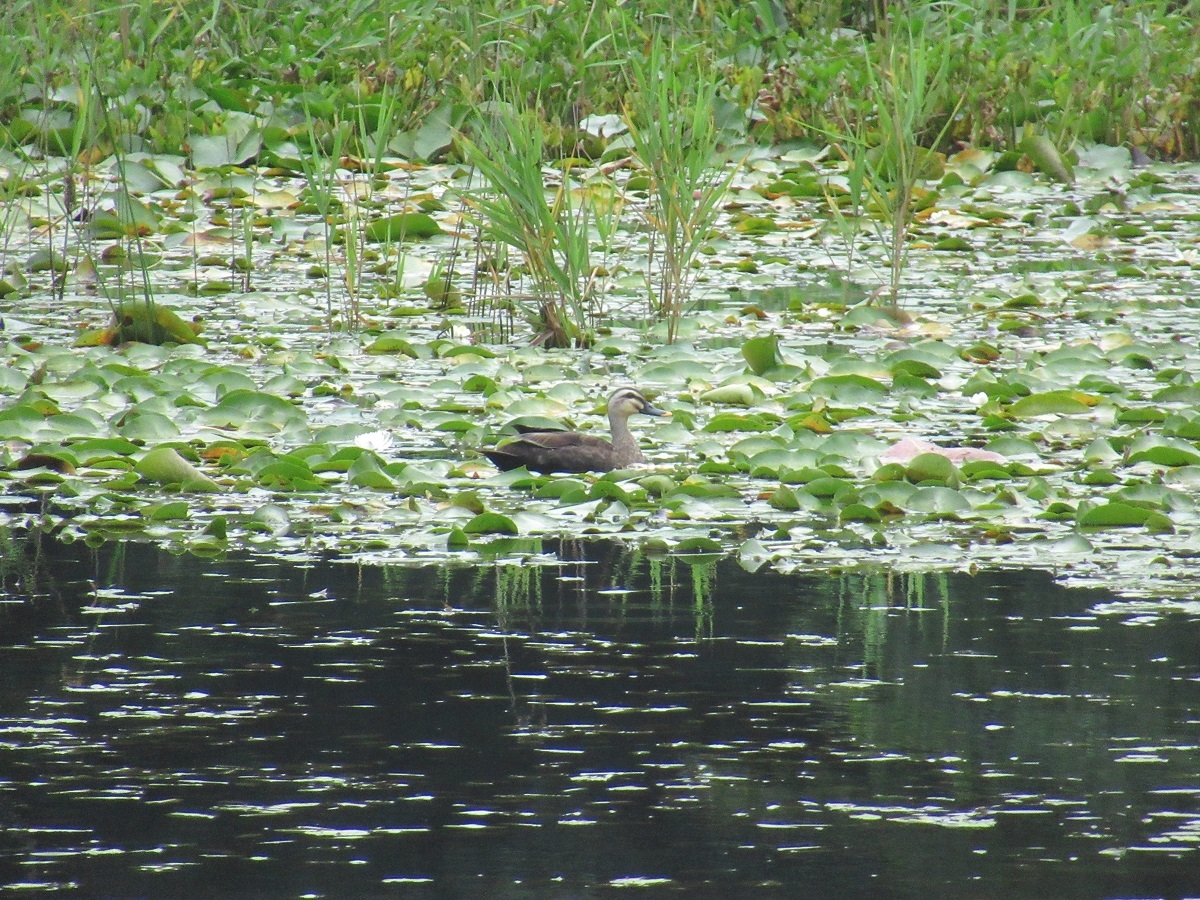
(491, 523)
(164, 465)
(402, 227)
(739, 422)
(1064, 403)
(938, 501)
(1164, 451)
(366, 471)
(1114, 515)
(736, 394)
(931, 467)
(761, 354)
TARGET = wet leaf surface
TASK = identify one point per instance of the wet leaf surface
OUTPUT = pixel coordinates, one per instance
(1067, 370)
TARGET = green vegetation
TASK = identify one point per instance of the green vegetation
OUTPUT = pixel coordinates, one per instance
(337, 94)
(279, 238)
(1120, 73)
(672, 122)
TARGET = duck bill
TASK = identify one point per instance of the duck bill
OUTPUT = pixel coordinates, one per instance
(649, 410)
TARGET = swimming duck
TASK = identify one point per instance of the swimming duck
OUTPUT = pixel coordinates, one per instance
(569, 451)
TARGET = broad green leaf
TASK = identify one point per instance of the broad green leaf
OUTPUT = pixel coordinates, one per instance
(1041, 150)
(255, 412)
(860, 512)
(402, 227)
(147, 427)
(271, 518)
(165, 512)
(851, 389)
(165, 466)
(938, 501)
(761, 354)
(232, 148)
(367, 472)
(1164, 451)
(728, 421)
(735, 394)
(1063, 403)
(391, 343)
(491, 523)
(698, 545)
(931, 467)
(1114, 515)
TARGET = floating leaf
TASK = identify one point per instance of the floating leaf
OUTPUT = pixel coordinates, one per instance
(752, 554)
(1063, 403)
(698, 545)
(931, 467)
(149, 323)
(852, 389)
(938, 501)
(1114, 515)
(1164, 451)
(232, 148)
(271, 518)
(254, 411)
(736, 394)
(367, 472)
(755, 225)
(761, 353)
(491, 523)
(738, 422)
(402, 227)
(1041, 150)
(391, 343)
(164, 465)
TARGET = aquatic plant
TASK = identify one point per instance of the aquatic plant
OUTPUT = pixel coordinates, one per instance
(672, 121)
(550, 227)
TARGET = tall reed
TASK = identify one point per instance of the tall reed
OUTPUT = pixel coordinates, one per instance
(551, 228)
(671, 118)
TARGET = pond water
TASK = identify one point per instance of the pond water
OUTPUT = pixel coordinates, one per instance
(610, 724)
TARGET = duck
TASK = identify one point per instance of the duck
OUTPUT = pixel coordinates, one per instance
(539, 450)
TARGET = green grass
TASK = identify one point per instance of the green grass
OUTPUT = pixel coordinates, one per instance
(672, 121)
(1127, 72)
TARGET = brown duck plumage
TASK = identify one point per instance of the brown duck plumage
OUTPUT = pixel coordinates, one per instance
(569, 451)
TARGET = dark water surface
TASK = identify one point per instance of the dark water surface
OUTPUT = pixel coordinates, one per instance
(612, 726)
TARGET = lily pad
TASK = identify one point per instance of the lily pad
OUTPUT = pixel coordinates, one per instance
(164, 465)
(402, 227)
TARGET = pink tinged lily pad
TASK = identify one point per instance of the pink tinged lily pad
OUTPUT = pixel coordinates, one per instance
(908, 449)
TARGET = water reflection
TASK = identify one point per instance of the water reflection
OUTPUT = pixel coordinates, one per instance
(171, 726)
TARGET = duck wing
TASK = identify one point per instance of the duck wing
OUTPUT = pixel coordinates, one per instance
(554, 451)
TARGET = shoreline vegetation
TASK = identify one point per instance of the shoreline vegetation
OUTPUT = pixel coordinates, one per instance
(153, 75)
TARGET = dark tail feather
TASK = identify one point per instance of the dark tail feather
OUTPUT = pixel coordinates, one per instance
(504, 461)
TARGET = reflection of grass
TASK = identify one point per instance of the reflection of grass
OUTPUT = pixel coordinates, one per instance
(866, 603)
(516, 587)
